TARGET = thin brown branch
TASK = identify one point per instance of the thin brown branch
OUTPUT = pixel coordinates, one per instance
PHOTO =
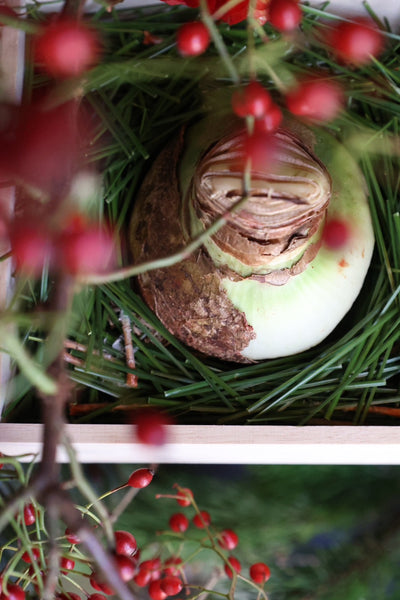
(131, 379)
(73, 360)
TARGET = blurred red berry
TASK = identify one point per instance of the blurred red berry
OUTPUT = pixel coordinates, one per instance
(270, 121)
(202, 520)
(126, 567)
(31, 247)
(90, 250)
(14, 592)
(171, 585)
(47, 146)
(316, 99)
(155, 590)
(67, 564)
(253, 100)
(125, 543)
(235, 564)
(192, 38)
(149, 570)
(284, 15)
(66, 48)
(260, 149)
(172, 565)
(35, 553)
(72, 538)
(29, 514)
(236, 14)
(153, 564)
(151, 427)
(260, 573)
(142, 577)
(179, 522)
(336, 234)
(228, 539)
(140, 478)
(100, 586)
(184, 497)
(356, 42)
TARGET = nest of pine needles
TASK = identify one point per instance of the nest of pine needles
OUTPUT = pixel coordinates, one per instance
(143, 93)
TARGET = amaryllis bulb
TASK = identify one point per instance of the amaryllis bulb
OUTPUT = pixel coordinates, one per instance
(264, 285)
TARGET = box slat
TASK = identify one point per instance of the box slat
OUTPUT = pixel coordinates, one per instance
(219, 444)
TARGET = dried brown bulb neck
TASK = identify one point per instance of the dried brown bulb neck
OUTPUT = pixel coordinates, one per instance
(280, 224)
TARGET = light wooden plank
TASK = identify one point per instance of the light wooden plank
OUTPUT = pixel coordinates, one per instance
(215, 444)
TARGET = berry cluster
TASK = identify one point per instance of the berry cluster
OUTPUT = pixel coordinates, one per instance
(171, 570)
(164, 572)
(76, 248)
(43, 149)
(314, 97)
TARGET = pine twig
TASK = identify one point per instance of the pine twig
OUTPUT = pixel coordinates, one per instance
(131, 379)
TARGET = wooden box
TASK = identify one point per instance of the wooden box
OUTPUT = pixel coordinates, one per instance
(190, 444)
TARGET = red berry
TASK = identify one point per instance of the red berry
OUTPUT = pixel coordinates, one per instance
(1, 464)
(66, 48)
(14, 592)
(155, 591)
(260, 572)
(192, 39)
(67, 564)
(185, 496)
(356, 42)
(153, 564)
(151, 427)
(126, 567)
(35, 553)
(171, 565)
(72, 538)
(235, 564)
(316, 99)
(270, 121)
(259, 149)
(140, 478)
(284, 15)
(336, 234)
(228, 539)
(253, 100)
(100, 586)
(142, 577)
(125, 543)
(202, 520)
(179, 522)
(48, 145)
(171, 585)
(90, 250)
(29, 514)
(31, 247)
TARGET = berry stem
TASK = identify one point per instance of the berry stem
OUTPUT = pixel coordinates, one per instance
(208, 20)
(172, 259)
(14, 347)
(261, 592)
(86, 489)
